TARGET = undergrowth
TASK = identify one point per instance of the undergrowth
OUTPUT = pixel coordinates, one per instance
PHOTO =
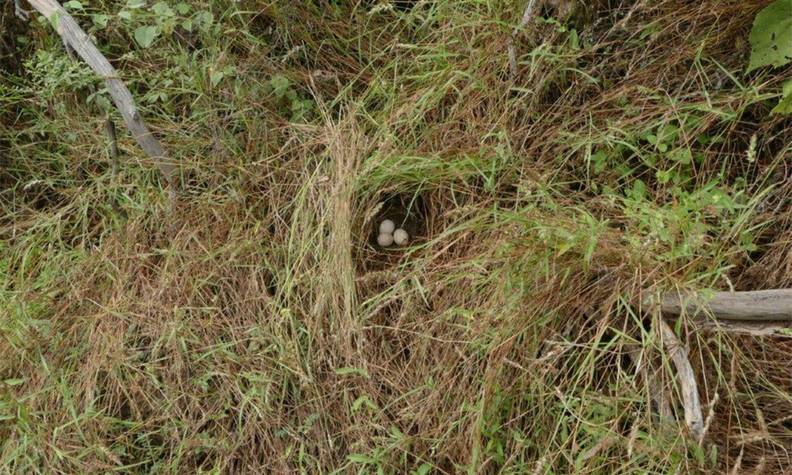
(253, 326)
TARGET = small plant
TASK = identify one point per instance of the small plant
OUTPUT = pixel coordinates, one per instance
(283, 91)
(159, 19)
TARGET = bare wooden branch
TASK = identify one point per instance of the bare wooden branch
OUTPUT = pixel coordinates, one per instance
(687, 381)
(74, 36)
(528, 15)
(754, 306)
(745, 328)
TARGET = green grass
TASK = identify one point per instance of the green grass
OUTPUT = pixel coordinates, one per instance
(253, 327)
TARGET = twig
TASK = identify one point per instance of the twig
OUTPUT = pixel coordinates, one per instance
(745, 328)
(111, 134)
(528, 14)
(74, 36)
(687, 381)
(708, 421)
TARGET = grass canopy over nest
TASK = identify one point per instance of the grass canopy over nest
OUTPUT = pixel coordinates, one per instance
(253, 325)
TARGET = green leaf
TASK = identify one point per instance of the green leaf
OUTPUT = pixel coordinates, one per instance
(204, 20)
(771, 36)
(424, 469)
(363, 400)
(361, 458)
(104, 103)
(13, 381)
(574, 41)
(784, 106)
(100, 20)
(54, 19)
(280, 85)
(136, 3)
(682, 155)
(215, 76)
(162, 10)
(73, 5)
(145, 35)
(182, 8)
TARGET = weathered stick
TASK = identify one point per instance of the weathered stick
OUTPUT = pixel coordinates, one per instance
(74, 36)
(745, 328)
(687, 381)
(762, 312)
(528, 14)
(754, 306)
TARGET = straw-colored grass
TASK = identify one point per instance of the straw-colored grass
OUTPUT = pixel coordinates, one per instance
(255, 327)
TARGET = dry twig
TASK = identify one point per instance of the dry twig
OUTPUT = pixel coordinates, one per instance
(687, 381)
(528, 14)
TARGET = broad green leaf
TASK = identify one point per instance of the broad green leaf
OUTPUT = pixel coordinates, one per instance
(771, 36)
(100, 20)
(54, 19)
(280, 85)
(136, 4)
(145, 35)
(73, 5)
(784, 106)
(162, 10)
(13, 381)
(182, 8)
(205, 20)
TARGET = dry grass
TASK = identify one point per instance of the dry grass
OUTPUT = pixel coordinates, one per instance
(256, 328)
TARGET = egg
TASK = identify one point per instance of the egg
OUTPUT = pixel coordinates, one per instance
(387, 227)
(400, 237)
(385, 239)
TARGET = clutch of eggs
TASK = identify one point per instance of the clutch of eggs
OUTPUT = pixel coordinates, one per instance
(389, 234)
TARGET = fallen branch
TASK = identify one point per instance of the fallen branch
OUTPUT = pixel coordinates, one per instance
(528, 14)
(745, 328)
(74, 37)
(687, 381)
(755, 306)
(758, 313)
